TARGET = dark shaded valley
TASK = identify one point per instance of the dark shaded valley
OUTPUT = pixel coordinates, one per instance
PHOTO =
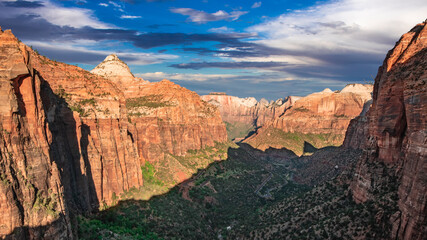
(124, 158)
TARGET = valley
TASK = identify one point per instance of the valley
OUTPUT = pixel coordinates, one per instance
(107, 155)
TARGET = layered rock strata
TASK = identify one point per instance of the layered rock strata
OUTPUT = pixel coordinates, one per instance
(397, 134)
(326, 111)
(319, 119)
(248, 110)
(73, 141)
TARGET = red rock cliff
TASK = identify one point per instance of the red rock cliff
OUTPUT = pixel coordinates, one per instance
(248, 111)
(71, 140)
(320, 119)
(165, 117)
(325, 112)
(397, 126)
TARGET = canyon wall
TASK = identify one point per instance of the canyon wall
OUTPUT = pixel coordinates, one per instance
(248, 111)
(326, 111)
(73, 141)
(319, 119)
(396, 127)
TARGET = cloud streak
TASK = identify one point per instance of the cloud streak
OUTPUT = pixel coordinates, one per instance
(54, 14)
(25, 25)
(129, 17)
(256, 5)
(230, 65)
(71, 52)
(342, 27)
(198, 16)
(157, 76)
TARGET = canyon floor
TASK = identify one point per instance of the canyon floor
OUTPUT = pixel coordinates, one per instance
(253, 194)
(124, 158)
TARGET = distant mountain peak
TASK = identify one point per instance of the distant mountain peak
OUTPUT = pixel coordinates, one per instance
(113, 68)
(112, 57)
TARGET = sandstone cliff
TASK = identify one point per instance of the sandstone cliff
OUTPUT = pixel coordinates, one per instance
(326, 111)
(247, 113)
(71, 140)
(397, 135)
(320, 119)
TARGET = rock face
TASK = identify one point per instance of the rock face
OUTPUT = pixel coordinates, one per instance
(118, 72)
(166, 118)
(326, 111)
(71, 141)
(397, 134)
(248, 111)
(320, 119)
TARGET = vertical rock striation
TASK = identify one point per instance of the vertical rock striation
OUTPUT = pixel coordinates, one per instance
(72, 141)
(248, 110)
(326, 111)
(397, 134)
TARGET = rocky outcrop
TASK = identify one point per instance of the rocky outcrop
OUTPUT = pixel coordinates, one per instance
(357, 130)
(248, 111)
(397, 134)
(119, 73)
(165, 117)
(319, 119)
(326, 111)
(73, 141)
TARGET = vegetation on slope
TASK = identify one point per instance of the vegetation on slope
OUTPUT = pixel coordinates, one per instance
(150, 101)
(294, 141)
(252, 194)
(238, 130)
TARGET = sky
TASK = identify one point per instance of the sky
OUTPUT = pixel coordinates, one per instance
(263, 49)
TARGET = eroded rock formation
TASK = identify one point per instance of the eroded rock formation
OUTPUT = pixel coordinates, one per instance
(397, 134)
(326, 111)
(74, 141)
(248, 111)
(320, 119)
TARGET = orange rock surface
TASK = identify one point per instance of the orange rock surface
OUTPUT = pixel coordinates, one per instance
(326, 111)
(397, 133)
(248, 110)
(72, 140)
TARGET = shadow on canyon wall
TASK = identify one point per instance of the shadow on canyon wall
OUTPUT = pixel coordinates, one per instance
(244, 162)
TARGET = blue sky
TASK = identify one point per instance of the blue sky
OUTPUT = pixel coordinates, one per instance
(268, 49)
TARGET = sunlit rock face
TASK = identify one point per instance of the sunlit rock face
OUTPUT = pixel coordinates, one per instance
(396, 129)
(326, 111)
(248, 112)
(72, 141)
(320, 119)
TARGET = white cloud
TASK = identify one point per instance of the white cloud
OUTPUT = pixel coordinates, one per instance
(103, 5)
(116, 6)
(341, 27)
(81, 49)
(223, 29)
(203, 17)
(60, 16)
(73, 17)
(129, 17)
(155, 76)
(256, 5)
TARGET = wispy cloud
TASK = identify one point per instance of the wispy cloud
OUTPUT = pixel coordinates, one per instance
(156, 76)
(342, 27)
(73, 52)
(231, 65)
(223, 29)
(198, 16)
(256, 5)
(129, 17)
(103, 4)
(24, 27)
(54, 14)
(24, 4)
